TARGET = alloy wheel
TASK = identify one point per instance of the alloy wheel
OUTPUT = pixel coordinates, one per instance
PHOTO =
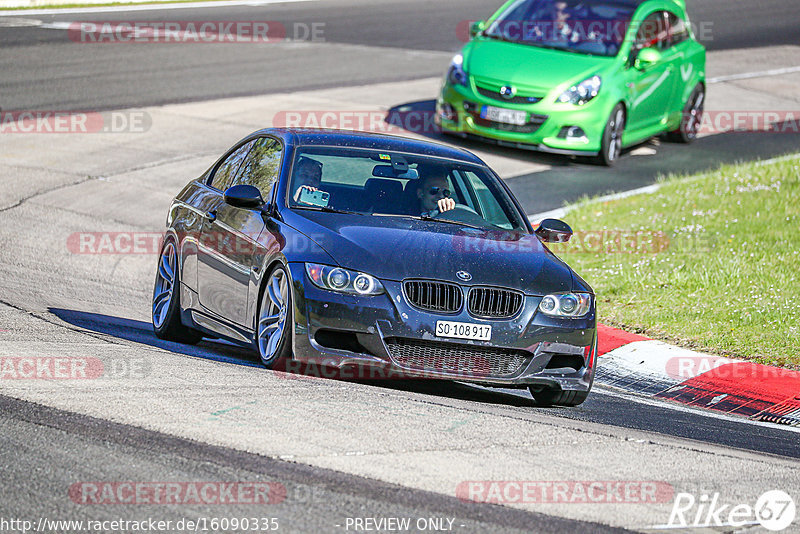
(272, 319)
(165, 285)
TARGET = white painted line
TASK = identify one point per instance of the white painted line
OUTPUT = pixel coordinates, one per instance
(749, 75)
(670, 405)
(145, 7)
(612, 391)
(648, 189)
(560, 212)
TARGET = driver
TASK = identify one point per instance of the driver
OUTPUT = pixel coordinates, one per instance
(433, 190)
(556, 22)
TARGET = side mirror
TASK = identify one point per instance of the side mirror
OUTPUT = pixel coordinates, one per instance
(476, 27)
(244, 196)
(646, 58)
(554, 231)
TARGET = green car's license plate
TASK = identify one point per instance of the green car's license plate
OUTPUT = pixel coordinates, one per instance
(508, 116)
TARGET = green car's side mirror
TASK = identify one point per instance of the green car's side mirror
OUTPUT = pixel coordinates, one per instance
(646, 58)
(477, 27)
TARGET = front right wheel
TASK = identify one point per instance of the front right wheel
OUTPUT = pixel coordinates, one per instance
(273, 331)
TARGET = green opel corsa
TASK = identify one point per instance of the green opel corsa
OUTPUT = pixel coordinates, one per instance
(577, 77)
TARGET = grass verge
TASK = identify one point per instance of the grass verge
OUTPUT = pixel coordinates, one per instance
(710, 262)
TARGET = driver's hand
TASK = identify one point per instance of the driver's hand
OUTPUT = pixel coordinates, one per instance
(300, 190)
(446, 204)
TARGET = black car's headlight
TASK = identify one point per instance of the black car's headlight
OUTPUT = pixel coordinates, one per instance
(343, 280)
(566, 304)
(456, 74)
(581, 93)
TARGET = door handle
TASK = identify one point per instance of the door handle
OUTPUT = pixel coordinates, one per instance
(211, 216)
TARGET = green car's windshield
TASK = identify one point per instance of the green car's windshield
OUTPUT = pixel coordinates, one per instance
(594, 27)
(390, 184)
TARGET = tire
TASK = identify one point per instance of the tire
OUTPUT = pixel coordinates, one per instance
(165, 305)
(558, 397)
(691, 117)
(611, 144)
(274, 320)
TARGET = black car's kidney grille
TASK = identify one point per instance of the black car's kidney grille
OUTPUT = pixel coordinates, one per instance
(434, 296)
(494, 302)
(456, 358)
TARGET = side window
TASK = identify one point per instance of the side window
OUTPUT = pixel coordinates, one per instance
(223, 177)
(488, 206)
(653, 32)
(678, 32)
(262, 166)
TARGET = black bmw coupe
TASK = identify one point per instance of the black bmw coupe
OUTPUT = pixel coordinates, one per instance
(367, 251)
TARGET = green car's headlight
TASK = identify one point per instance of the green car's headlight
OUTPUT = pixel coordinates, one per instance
(581, 93)
(566, 305)
(343, 280)
(456, 74)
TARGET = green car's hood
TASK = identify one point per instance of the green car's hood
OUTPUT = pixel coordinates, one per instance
(529, 67)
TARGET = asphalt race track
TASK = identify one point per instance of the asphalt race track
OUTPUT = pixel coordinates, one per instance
(340, 449)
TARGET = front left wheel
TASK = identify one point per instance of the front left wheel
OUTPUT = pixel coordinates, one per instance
(273, 330)
(166, 314)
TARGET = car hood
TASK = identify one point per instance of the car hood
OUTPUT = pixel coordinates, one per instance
(529, 67)
(394, 248)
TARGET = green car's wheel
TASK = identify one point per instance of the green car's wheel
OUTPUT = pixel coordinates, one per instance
(611, 146)
(691, 118)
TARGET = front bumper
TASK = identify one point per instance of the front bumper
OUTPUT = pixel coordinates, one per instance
(458, 112)
(385, 333)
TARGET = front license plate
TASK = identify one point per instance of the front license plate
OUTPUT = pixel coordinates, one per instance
(479, 332)
(508, 116)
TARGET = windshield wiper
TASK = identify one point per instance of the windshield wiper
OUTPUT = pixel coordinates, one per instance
(499, 37)
(327, 209)
(449, 221)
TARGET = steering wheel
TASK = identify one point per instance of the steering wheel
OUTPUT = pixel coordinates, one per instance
(460, 213)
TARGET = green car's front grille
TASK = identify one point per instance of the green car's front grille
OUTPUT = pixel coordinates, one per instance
(516, 99)
(534, 122)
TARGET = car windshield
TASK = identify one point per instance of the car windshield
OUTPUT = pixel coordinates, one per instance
(593, 27)
(391, 184)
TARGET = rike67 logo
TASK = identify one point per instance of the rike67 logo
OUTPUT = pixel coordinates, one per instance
(774, 510)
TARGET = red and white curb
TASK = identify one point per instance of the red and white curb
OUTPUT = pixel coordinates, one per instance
(638, 364)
